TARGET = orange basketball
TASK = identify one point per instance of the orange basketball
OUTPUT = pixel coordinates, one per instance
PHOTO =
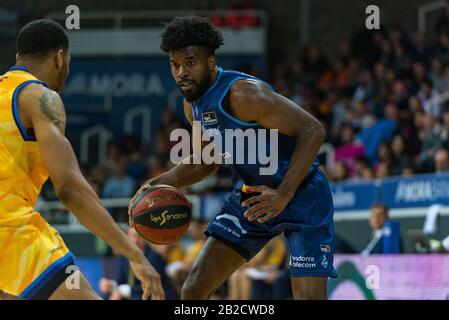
(161, 214)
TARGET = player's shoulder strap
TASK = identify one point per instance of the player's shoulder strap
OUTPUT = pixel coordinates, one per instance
(12, 82)
(230, 76)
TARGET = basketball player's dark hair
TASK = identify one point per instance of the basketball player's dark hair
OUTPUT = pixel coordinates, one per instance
(382, 206)
(182, 32)
(41, 37)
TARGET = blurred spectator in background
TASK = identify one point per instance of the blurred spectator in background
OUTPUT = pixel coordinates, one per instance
(378, 218)
(407, 172)
(179, 269)
(161, 144)
(155, 166)
(113, 152)
(401, 157)
(361, 163)
(276, 284)
(439, 76)
(349, 150)
(444, 134)
(430, 137)
(441, 160)
(197, 239)
(384, 159)
(423, 49)
(382, 171)
(119, 185)
(373, 135)
(97, 176)
(125, 286)
(428, 97)
(340, 172)
(367, 174)
(257, 279)
(136, 168)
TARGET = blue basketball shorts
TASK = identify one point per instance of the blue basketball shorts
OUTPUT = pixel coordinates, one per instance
(306, 223)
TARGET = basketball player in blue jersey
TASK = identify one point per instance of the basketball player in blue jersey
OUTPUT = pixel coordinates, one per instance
(295, 200)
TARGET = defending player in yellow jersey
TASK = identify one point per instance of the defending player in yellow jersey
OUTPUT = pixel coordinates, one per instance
(33, 256)
(29, 248)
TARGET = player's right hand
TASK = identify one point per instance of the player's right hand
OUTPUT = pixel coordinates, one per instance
(149, 278)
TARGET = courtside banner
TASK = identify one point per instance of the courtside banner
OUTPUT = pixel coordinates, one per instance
(417, 191)
(352, 196)
(390, 277)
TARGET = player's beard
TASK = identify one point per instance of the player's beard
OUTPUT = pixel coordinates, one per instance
(196, 92)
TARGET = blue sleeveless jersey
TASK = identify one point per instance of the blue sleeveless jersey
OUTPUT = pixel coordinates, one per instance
(215, 120)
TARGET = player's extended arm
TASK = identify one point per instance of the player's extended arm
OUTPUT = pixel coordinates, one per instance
(184, 174)
(44, 110)
(254, 102)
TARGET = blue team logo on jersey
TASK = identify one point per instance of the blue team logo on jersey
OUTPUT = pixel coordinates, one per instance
(324, 262)
(210, 118)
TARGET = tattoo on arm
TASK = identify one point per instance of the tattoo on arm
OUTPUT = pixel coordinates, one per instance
(51, 106)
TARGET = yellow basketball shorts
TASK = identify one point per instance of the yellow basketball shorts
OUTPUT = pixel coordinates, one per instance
(33, 259)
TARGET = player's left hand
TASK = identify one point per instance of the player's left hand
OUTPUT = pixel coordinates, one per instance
(144, 187)
(149, 278)
(268, 204)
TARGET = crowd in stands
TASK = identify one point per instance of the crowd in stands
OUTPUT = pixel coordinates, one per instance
(381, 98)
